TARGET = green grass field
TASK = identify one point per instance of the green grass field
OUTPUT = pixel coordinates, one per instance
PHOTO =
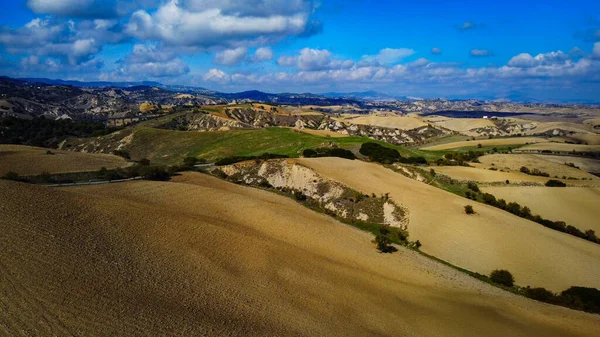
(170, 147)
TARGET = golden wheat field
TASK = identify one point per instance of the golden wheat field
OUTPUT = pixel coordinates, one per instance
(29, 160)
(202, 257)
(561, 147)
(395, 122)
(490, 239)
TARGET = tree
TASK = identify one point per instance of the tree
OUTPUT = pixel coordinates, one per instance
(555, 183)
(384, 244)
(473, 187)
(144, 162)
(503, 277)
(11, 175)
(469, 209)
(190, 161)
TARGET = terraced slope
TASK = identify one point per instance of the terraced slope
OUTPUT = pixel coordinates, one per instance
(488, 240)
(202, 257)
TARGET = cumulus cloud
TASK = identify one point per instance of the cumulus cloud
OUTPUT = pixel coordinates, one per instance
(387, 56)
(314, 59)
(217, 76)
(152, 61)
(436, 51)
(525, 60)
(480, 52)
(262, 54)
(229, 24)
(230, 57)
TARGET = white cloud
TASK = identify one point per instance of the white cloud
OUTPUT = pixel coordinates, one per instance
(480, 53)
(205, 24)
(262, 54)
(152, 61)
(387, 56)
(467, 25)
(436, 51)
(216, 75)
(88, 8)
(230, 57)
(314, 59)
(525, 60)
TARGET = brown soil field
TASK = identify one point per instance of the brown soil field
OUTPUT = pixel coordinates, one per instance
(29, 160)
(394, 122)
(488, 240)
(202, 257)
(577, 206)
(461, 124)
(586, 164)
(486, 142)
(514, 162)
(560, 147)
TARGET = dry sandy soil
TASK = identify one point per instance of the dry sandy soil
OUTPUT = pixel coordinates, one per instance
(577, 206)
(489, 240)
(560, 147)
(205, 257)
(28, 160)
(394, 122)
(487, 142)
(514, 162)
(461, 124)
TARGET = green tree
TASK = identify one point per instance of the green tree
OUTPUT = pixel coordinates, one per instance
(503, 277)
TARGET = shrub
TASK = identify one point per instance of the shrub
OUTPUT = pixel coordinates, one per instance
(582, 298)
(326, 152)
(309, 153)
(555, 183)
(11, 175)
(473, 187)
(380, 154)
(489, 199)
(469, 209)
(503, 277)
(384, 244)
(299, 196)
(237, 159)
(159, 173)
(190, 161)
(540, 294)
(144, 162)
(524, 170)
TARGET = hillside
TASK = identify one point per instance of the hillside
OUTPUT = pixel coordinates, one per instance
(29, 160)
(488, 240)
(204, 257)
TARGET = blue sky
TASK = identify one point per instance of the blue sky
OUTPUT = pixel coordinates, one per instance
(539, 50)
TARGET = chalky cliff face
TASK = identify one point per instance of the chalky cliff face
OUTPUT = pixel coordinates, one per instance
(331, 196)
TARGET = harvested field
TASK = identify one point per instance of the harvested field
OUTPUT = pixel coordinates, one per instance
(205, 257)
(461, 124)
(577, 206)
(514, 162)
(483, 175)
(487, 142)
(560, 147)
(29, 160)
(586, 164)
(488, 240)
(394, 122)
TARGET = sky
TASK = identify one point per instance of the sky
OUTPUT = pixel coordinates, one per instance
(520, 50)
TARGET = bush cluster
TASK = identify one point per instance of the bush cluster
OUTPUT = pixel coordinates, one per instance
(329, 152)
(459, 159)
(578, 298)
(386, 155)
(534, 172)
(503, 277)
(237, 159)
(555, 183)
